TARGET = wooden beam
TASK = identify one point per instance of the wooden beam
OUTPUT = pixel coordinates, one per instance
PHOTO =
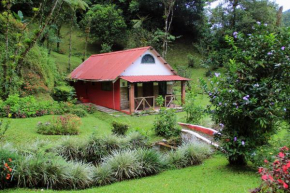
(183, 91)
(132, 98)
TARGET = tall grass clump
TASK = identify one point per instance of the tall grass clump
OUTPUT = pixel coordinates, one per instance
(41, 171)
(80, 175)
(96, 147)
(70, 149)
(151, 161)
(124, 164)
(136, 139)
(189, 154)
(103, 175)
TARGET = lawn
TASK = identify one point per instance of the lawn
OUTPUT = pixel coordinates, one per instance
(213, 176)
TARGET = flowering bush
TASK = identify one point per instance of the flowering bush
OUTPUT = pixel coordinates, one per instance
(250, 98)
(6, 173)
(276, 177)
(63, 125)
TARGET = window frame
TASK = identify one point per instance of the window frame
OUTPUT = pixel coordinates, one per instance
(147, 55)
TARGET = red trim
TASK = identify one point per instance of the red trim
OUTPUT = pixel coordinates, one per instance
(198, 128)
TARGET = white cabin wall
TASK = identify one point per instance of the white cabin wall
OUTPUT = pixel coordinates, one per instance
(139, 69)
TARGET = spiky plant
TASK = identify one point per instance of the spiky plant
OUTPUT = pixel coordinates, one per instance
(123, 164)
(103, 175)
(150, 161)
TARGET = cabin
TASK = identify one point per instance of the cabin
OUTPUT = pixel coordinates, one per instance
(127, 81)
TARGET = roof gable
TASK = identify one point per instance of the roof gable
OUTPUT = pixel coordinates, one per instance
(108, 66)
(146, 69)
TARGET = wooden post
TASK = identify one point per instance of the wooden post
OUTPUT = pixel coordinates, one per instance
(132, 98)
(183, 92)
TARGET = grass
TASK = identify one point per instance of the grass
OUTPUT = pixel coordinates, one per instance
(214, 176)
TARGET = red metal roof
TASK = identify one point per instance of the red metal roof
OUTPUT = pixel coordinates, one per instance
(108, 66)
(154, 78)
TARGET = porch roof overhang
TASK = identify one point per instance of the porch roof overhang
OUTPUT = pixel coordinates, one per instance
(153, 78)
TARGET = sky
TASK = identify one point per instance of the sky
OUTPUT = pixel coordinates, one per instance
(284, 3)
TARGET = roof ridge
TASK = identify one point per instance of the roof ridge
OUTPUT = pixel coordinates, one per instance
(117, 52)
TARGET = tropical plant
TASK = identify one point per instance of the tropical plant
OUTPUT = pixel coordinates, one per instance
(245, 99)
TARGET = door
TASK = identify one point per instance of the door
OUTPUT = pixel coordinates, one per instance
(148, 91)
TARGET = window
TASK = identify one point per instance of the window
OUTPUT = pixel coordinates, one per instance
(107, 86)
(148, 59)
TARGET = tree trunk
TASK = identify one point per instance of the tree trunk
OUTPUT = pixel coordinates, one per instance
(70, 45)
(36, 37)
(239, 160)
(58, 37)
(168, 13)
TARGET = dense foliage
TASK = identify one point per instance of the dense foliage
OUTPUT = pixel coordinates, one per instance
(165, 124)
(251, 97)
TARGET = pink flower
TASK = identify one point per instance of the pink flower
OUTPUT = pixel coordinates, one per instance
(285, 185)
(281, 155)
(264, 177)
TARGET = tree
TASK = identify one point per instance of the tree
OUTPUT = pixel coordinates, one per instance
(107, 23)
(74, 6)
(168, 17)
(250, 98)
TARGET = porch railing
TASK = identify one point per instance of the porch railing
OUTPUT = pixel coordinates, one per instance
(172, 100)
(143, 102)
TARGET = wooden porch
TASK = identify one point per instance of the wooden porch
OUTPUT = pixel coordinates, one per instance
(143, 103)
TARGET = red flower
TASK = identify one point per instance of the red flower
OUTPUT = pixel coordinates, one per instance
(280, 181)
(285, 185)
(264, 177)
(261, 170)
(266, 161)
(281, 155)
(271, 178)
(285, 169)
(10, 160)
(6, 165)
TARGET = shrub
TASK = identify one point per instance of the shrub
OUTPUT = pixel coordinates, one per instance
(63, 125)
(165, 124)
(119, 128)
(276, 177)
(245, 99)
(64, 93)
(160, 101)
(150, 161)
(22, 107)
(194, 112)
(90, 108)
(123, 164)
(78, 112)
(7, 167)
(191, 61)
(103, 175)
